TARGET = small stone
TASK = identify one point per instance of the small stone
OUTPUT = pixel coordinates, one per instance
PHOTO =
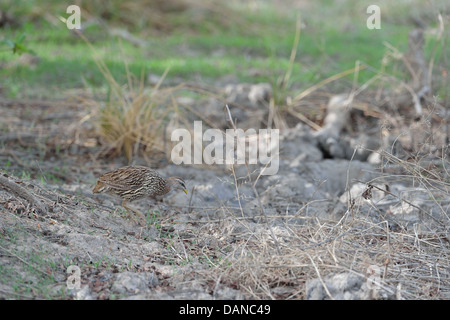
(130, 282)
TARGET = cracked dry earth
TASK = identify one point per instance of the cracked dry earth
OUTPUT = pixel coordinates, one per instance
(225, 239)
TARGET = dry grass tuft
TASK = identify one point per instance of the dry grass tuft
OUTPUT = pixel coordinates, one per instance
(133, 118)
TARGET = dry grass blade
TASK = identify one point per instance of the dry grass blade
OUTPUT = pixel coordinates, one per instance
(326, 81)
(261, 207)
(287, 76)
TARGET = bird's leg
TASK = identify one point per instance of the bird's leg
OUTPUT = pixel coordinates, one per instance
(140, 214)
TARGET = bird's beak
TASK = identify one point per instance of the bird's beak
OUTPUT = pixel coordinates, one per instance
(185, 191)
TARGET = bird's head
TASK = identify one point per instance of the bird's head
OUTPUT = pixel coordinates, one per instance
(176, 183)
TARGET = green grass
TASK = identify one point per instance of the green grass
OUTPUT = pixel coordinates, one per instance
(326, 47)
(29, 274)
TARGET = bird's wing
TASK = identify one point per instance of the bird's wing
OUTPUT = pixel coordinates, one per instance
(126, 178)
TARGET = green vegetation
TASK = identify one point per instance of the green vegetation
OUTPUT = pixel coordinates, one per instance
(33, 275)
(254, 45)
(17, 46)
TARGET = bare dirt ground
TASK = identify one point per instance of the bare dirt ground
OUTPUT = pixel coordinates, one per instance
(368, 224)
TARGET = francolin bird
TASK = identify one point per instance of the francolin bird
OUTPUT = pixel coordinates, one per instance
(135, 182)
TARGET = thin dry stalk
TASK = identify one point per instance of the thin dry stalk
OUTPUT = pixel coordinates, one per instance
(261, 207)
(326, 81)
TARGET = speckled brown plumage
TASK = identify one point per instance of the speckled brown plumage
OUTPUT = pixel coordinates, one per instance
(135, 182)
